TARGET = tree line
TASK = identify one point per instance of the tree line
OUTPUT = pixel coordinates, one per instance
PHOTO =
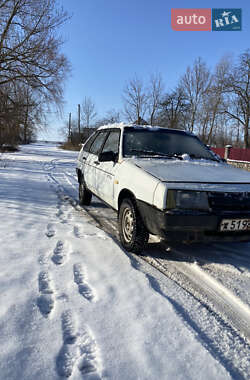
(32, 67)
(211, 103)
(214, 104)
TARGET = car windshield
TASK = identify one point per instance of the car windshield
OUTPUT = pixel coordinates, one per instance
(163, 143)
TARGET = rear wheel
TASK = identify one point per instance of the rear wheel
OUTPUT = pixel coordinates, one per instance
(85, 195)
(133, 234)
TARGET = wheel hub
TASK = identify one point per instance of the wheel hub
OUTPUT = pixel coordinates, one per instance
(127, 224)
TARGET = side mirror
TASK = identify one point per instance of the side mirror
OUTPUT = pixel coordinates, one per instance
(107, 156)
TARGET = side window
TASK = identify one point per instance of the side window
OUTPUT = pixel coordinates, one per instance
(89, 142)
(97, 144)
(112, 142)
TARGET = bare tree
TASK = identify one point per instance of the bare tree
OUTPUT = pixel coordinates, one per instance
(32, 68)
(155, 96)
(30, 47)
(10, 116)
(211, 107)
(135, 98)
(21, 113)
(88, 111)
(32, 114)
(174, 110)
(194, 83)
(112, 116)
(237, 84)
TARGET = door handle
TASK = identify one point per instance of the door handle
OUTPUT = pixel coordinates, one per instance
(97, 162)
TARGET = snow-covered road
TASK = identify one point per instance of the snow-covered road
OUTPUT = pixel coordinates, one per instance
(74, 304)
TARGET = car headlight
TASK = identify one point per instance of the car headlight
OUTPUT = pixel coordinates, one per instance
(187, 199)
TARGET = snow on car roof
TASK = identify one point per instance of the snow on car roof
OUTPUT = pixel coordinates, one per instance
(112, 125)
(136, 126)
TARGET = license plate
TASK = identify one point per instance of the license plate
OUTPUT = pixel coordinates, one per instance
(235, 225)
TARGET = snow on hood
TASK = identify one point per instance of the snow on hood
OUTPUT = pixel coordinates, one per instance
(192, 171)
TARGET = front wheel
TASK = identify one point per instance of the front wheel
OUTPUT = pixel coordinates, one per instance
(133, 234)
(85, 195)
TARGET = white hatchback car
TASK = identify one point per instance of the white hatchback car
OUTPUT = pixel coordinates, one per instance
(164, 182)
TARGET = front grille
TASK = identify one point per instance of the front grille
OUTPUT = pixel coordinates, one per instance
(229, 201)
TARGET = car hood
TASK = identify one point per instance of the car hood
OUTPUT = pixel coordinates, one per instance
(201, 171)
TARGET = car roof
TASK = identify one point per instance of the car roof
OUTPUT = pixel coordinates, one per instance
(141, 127)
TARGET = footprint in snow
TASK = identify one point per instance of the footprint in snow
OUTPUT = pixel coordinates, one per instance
(44, 283)
(74, 203)
(60, 253)
(80, 279)
(45, 301)
(50, 230)
(47, 167)
(79, 350)
(68, 328)
(60, 192)
(61, 215)
(69, 217)
(77, 232)
(43, 259)
(90, 361)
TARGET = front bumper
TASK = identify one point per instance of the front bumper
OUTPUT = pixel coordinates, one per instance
(191, 225)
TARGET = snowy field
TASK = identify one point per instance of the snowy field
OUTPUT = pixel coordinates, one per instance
(74, 304)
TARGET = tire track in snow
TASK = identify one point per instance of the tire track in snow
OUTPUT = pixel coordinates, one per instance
(237, 311)
(235, 255)
(220, 299)
(81, 234)
(207, 290)
(79, 350)
(210, 328)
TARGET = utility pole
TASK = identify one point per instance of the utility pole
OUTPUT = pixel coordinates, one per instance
(79, 111)
(69, 131)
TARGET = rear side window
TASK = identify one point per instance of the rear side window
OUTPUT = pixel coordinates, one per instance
(97, 144)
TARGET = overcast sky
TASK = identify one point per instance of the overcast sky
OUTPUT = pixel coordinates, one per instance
(108, 41)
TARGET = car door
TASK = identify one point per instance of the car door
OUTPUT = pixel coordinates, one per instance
(105, 171)
(92, 161)
(85, 152)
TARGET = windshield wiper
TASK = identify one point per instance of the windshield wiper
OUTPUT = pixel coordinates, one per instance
(153, 153)
(172, 155)
(204, 158)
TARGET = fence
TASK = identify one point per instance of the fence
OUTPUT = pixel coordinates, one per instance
(237, 157)
(237, 154)
(239, 164)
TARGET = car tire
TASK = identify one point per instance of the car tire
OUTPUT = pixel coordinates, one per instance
(85, 195)
(133, 234)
